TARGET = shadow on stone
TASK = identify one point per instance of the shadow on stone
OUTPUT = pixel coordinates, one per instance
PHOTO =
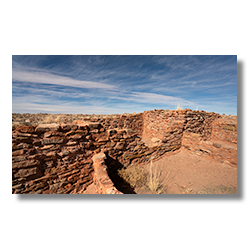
(120, 184)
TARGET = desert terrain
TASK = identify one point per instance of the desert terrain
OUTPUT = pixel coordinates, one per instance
(154, 152)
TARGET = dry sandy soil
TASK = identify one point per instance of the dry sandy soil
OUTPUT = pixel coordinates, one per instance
(184, 172)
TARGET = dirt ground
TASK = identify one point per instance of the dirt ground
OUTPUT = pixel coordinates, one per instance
(184, 172)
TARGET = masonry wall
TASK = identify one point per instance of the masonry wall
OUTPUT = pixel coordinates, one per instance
(58, 158)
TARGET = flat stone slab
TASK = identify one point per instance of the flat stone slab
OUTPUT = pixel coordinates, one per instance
(47, 127)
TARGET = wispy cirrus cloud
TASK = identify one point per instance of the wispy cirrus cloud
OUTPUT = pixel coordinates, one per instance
(48, 78)
(125, 82)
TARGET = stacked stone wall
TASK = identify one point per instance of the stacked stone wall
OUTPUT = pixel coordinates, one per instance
(59, 158)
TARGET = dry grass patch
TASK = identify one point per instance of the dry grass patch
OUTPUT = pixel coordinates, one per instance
(135, 175)
(154, 183)
(179, 107)
(48, 119)
(144, 178)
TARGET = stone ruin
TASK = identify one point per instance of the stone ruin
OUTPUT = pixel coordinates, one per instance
(65, 158)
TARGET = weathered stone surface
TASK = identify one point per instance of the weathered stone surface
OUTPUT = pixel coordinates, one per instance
(17, 186)
(25, 172)
(120, 146)
(65, 127)
(75, 137)
(57, 185)
(111, 132)
(71, 143)
(47, 147)
(25, 135)
(103, 139)
(217, 145)
(26, 129)
(154, 139)
(52, 133)
(18, 152)
(41, 128)
(25, 164)
(93, 125)
(51, 154)
(19, 158)
(53, 140)
(101, 177)
(21, 146)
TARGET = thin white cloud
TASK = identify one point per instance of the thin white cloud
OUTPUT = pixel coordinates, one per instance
(50, 92)
(158, 98)
(23, 107)
(152, 98)
(47, 78)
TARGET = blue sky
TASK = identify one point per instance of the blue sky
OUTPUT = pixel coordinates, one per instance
(123, 84)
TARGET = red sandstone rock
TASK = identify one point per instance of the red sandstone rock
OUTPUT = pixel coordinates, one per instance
(26, 129)
(21, 146)
(52, 140)
(25, 172)
(120, 146)
(18, 152)
(25, 164)
(19, 158)
(41, 128)
(102, 179)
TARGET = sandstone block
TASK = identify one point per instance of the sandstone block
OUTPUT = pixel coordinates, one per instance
(120, 146)
(93, 125)
(47, 147)
(217, 145)
(100, 156)
(18, 152)
(25, 135)
(111, 144)
(81, 131)
(21, 146)
(73, 178)
(64, 153)
(52, 133)
(56, 185)
(138, 147)
(37, 186)
(51, 154)
(26, 129)
(130, 131)
(25, 172)
(42, 128)
(75, 137)
(102, 139)
(111, 132)
(25, 164)
(154, 139)
(65, 127)
(53, 140)
(71, 143)
(17, 186)
(37, 142)
(89, 137)
(19, 158)
(23, 139)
